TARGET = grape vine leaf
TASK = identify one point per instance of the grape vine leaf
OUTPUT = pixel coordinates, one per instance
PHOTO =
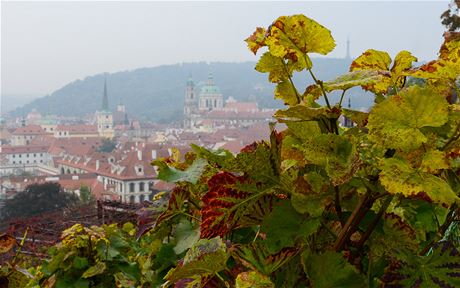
(398, 177)
(292, 37)
(331, 269)
(447, 66)
(335, 153)
(397, 121)
(284, 226)
(206, 258)
(256, 40)
(253, 279)
(372, 60)
(186, 236)
(171, 174)
(275, 66)
(255, 256)
(441, 268)
(354, 78)
(226, 206)
(94, 270)
(402, 63)
(358, 117)
(286, 92)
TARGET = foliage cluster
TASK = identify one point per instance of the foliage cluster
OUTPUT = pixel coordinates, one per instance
(37, 199)
(318, 205)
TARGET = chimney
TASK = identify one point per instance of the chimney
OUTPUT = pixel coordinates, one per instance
(97, 165)
(154, 154)
(139, 155)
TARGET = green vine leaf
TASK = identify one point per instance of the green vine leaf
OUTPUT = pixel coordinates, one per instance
(354, 78)
(275, 66)
(334, 153)
(171, 174)
(397, 121)
(284, 226)
(331, 269)
(441, 268)
(97, 269)
(206, 258)
(398, 177)
(255, 256)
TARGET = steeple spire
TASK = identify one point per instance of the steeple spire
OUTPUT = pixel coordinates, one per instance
(347, 56)
(105, 98)
(210, 79)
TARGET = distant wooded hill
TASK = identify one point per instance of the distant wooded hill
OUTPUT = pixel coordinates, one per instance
(157, 93)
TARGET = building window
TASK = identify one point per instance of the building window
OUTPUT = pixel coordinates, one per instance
(131, 199)
(131, 187)
(139, 169)
(27, 161)
(41, 161)
(35, 161)
(41, 154)
(20, 155)
(141, 186)
(20, 162)
(141, 198)
(14, 155)
(14, 162)
(27, 155)
(35, 155)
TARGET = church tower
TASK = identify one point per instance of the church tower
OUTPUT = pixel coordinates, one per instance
(104, 117)
(190, 104)
(210, 96)
(348, 56)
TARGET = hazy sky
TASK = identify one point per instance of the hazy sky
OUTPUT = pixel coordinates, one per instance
(45, 45)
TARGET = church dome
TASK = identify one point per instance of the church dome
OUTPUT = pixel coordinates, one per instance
(210, 87)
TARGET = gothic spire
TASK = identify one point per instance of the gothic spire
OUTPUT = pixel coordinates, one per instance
(347, 56)
(105, 98)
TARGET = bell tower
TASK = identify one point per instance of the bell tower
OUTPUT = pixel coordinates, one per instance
(190, 104)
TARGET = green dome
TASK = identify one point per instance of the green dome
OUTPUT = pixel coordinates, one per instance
(210, 87)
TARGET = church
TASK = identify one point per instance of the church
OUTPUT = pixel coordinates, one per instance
(209, 110)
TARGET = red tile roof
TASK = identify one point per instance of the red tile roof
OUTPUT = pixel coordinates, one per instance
(30, 130)
(23, 149)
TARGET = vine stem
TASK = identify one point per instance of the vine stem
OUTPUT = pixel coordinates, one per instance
(322, 88)
(341, 97)
(374, 222)
(297, 95)
(351, 223)
(338, 208)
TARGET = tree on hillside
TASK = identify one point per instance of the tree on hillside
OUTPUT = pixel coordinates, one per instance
(451, 17)
(107, 146)
(85, 195)
(37, 199)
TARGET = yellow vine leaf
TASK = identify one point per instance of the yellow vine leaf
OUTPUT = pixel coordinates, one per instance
(398, 177)
(256, 40)
(402, 62)
(448, 64)
(292, 37)
(433, 161)
(396, 121)
(274, 66)
(372, 60)
(286, 92)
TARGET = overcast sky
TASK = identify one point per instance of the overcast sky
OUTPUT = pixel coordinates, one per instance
(45, 45)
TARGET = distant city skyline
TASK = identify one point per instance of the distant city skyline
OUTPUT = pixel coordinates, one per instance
(45, 45)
